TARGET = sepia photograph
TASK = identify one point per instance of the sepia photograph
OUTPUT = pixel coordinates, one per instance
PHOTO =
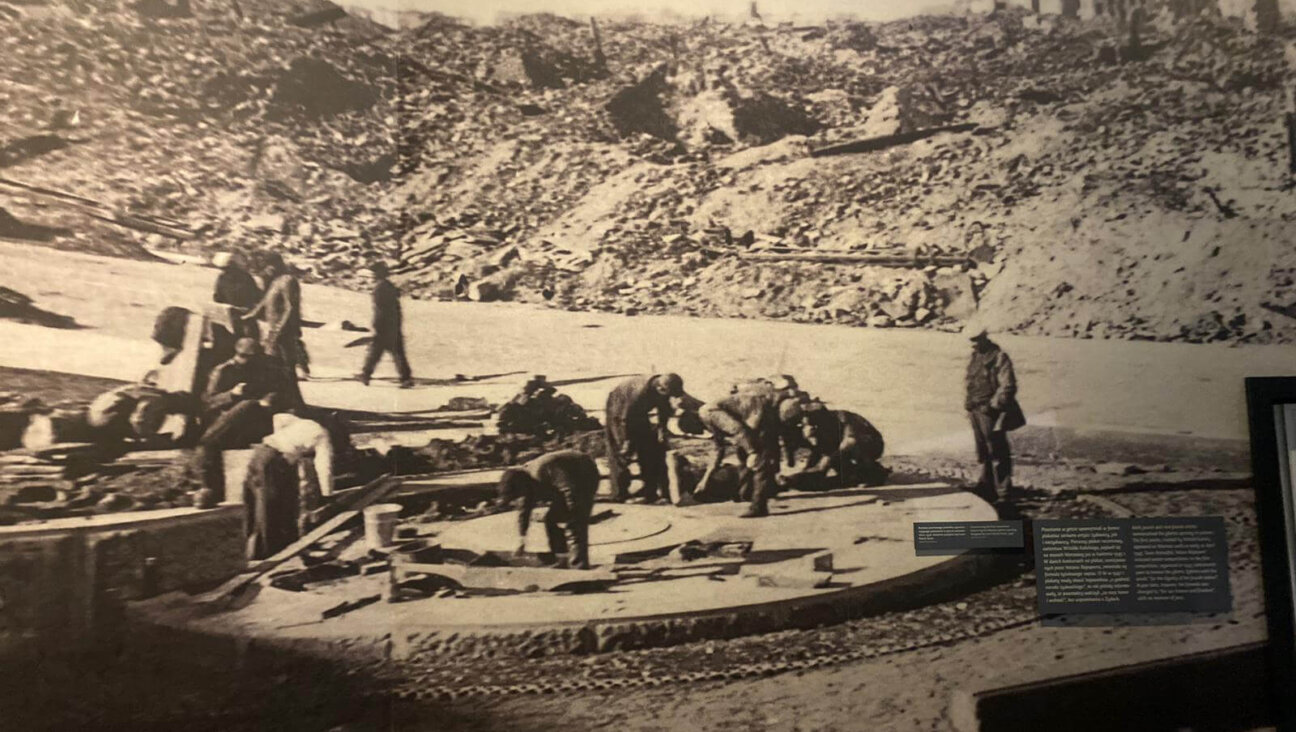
(430, 365)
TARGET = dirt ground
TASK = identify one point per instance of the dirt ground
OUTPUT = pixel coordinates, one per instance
(895, 690)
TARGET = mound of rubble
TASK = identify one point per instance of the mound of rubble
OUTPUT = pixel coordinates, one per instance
(1059, 175)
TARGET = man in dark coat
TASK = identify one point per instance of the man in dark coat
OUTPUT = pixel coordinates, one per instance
(388, 337)
(241, 398)
(632, 435)
(993, 410)
(749, 419)
(236, 288)
(842, 441)
(567, 480)
(280, 309)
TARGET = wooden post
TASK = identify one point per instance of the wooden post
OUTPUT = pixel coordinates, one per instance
(599, 58)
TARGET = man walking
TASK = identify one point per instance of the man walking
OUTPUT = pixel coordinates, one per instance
(567, 480)
(388, 337)
(993, 410)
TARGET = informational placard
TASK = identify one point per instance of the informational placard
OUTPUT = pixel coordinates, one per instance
(1136, 565)
(933, 538)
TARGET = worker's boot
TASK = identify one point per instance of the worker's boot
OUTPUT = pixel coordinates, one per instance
(407, 384)
(363, 379)
(756, 510)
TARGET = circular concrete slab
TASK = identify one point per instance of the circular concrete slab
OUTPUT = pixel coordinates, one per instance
(613, 529)
(656, 601)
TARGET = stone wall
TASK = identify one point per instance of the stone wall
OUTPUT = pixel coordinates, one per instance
(61, 580)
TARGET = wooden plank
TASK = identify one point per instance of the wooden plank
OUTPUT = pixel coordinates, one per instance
(1220, 690)
(878, 260)
(378, 490)
(522, 579)
(873, 144)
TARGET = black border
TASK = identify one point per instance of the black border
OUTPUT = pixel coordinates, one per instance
(1263, 394)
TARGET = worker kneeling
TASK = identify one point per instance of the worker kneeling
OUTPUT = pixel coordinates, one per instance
(842, 441)
(567, 480)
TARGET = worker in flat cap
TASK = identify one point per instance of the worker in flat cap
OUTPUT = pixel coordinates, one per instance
(992, 408)
(638, 414)
(387, 328)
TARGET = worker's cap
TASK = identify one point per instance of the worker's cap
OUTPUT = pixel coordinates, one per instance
(379, 268)
(672, 384)
(221, 260)
(247, 347)
(512, 484)
(975, 329)
(784, 382)
(275, 261)
(790, 411)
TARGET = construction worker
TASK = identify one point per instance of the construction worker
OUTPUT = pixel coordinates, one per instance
(280, 309)
(134, 411)
(750, 420)
(843, 441)
(632, 435)
(781, 389)
(241, 397)
(567, 480)
(237, 289)
(388, 337)
(992, 408)
(282, 487)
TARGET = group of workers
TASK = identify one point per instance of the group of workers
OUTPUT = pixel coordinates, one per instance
(252, 400)
(764, 420)
(249, 397)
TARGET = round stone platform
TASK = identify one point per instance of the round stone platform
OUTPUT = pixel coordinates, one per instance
(659, 599)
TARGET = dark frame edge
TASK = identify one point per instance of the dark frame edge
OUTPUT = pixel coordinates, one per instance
(1262, 395)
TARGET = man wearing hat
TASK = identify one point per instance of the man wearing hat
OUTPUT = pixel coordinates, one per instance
(992, 408)
(388, 337)
(632, 435)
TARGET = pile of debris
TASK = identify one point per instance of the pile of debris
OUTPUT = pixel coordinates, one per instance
(664, 168)
(540, 411)
(83, 480)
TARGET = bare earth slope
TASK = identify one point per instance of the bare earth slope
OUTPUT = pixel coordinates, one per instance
(1144, 199)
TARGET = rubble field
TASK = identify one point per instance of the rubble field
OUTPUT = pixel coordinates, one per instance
(906, 174)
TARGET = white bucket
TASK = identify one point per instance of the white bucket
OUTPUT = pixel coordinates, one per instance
(380, 524)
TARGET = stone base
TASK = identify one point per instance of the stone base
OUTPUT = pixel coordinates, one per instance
(858, 540)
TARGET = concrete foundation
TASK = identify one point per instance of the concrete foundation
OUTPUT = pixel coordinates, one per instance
(60, 580)
(661, 599)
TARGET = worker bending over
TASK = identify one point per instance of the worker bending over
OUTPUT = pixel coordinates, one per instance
(282, 487)
(567, 480)
(638, 412)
